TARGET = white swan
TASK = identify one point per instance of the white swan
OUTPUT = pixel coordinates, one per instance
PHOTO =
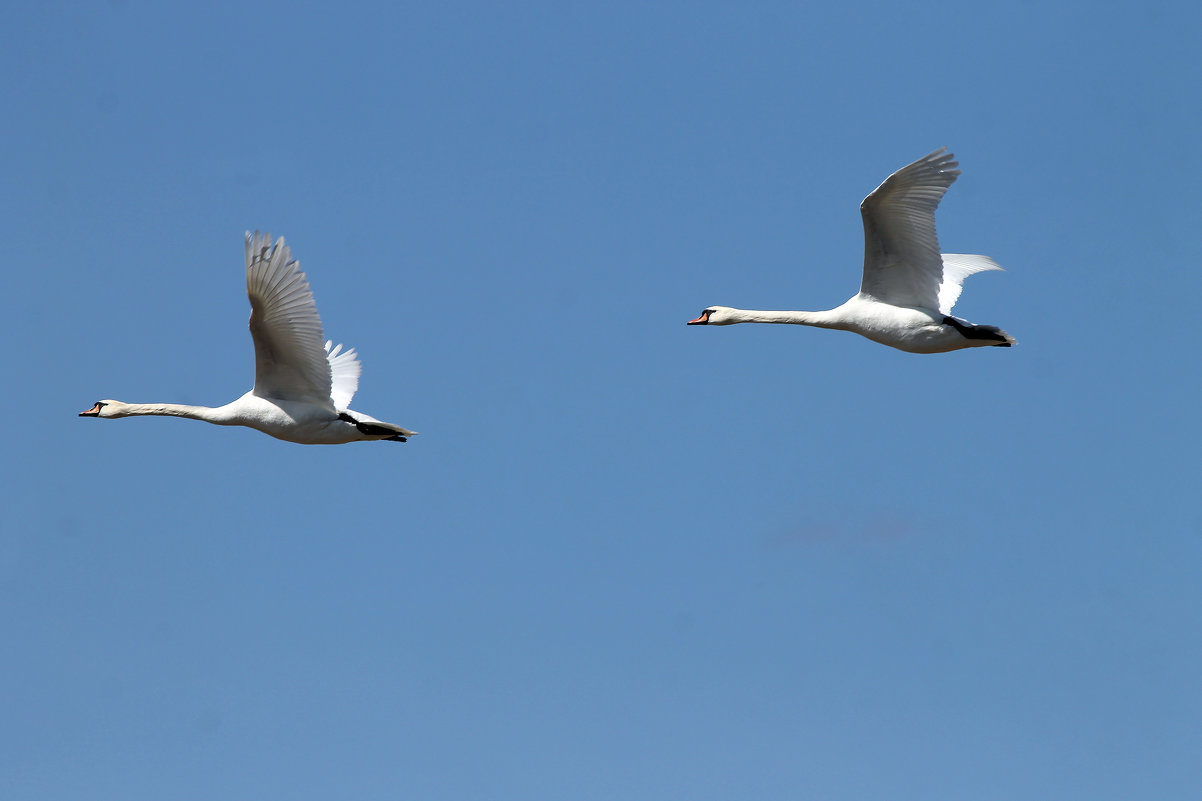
(302, 389)
(909, 288)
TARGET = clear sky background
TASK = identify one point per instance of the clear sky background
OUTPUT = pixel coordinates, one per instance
(626, 558)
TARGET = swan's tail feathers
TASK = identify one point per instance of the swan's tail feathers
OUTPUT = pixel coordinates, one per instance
(1009, 339)
(401, 433)
(372, 427)
(957, 267)
(986, 334)
(995, 336)
(378, 429)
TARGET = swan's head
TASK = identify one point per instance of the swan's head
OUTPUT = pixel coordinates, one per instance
(715, 315)
(105, 408)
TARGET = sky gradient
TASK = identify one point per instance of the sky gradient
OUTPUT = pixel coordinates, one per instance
(625, 558)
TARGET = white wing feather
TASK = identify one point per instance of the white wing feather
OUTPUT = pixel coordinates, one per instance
(957, 267)
(290, 362)
(345, 369)
(902, 265)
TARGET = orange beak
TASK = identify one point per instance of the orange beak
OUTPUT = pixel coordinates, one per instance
(702, 320)
(93, 412)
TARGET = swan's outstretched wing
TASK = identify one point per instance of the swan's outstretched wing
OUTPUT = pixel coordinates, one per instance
(344, 374)
(957, 267)
(902, 265)
(290, 362)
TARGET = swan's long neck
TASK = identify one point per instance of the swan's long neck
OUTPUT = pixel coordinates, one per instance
(205, 413)
(821, 319)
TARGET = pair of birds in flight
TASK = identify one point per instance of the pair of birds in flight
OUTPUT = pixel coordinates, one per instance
(303, 388)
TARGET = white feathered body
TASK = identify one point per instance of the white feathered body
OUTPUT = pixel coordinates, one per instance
(908, 328)
(296, 421)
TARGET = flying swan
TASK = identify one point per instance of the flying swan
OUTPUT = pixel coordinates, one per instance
(302, 388)
(909, 288)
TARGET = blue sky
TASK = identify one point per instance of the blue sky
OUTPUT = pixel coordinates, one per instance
(625, 559)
